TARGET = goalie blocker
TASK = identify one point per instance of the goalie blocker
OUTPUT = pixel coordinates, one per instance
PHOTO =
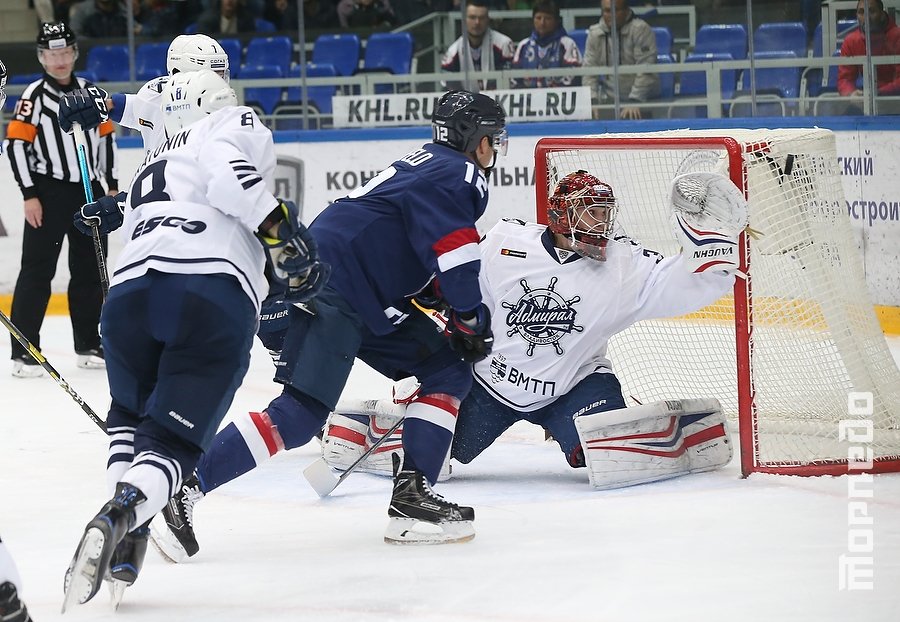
(653, 442)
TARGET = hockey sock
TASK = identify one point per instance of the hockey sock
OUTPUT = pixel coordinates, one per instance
(120, 427)
(425, 446)
(254, 438)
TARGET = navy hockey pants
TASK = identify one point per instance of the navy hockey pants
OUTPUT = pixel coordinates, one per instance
(482, 418)
(177, 348)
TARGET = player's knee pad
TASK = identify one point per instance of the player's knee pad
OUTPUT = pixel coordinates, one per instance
(653, 442)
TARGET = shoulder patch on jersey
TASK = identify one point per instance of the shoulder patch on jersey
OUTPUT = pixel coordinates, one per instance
(637, 246)
(145, 123)
(508, 252)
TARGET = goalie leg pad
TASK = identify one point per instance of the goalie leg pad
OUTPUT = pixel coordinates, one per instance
(653, 442)
(344, 440)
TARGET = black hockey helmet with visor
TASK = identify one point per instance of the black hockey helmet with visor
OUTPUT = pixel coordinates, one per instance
(461, 119)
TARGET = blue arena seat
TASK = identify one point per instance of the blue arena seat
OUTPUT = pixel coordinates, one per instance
(109, 62)
(781, 37)
(318, 96)
(263, 25)
(150, 60)
(693, 84)
(663, 40)
(579, 35)
(666, 80)
(234, 51)
(341, 51)
(266, 98)
(389, 52)
(722, 38)
(269, 51)
(774, 85)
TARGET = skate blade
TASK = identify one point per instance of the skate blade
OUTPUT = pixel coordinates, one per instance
(412, 531)
(82, 577)
(165, 542)
(116, 592)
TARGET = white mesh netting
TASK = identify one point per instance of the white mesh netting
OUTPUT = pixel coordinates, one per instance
(814, 335)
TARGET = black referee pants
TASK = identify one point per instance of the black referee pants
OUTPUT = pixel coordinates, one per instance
(40, 254)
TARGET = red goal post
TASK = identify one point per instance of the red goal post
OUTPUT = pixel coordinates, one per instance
(797, 344)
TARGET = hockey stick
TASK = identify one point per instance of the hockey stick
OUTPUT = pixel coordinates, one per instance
(43, 362)
(319, 474)
(81, 148)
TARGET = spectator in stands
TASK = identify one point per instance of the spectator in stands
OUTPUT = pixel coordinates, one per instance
(107, 20)
(481, 49)
(321, 14)
(548, 46)
(884, 39)
(282, 13)
(229, 17)
(636, 46)
(163, 17)
(366, 14)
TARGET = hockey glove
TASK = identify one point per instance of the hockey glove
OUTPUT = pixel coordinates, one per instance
(431, 297)
(470, 333)
(87, 107)
(106, 213)
(292, 254)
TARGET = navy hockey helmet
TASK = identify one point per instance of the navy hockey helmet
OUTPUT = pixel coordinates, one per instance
(3, 77)
(55, 36)
(461, 119)
(583, 209)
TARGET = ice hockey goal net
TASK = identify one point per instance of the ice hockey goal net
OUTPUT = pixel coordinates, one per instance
(797, 348)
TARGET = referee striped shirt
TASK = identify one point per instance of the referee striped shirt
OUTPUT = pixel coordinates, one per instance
(37, 146)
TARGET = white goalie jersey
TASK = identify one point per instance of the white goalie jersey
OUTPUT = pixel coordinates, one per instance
(197, 199)
(554, 311)
(142, 112)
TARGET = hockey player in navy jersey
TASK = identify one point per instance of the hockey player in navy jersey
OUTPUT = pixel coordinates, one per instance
(385, 242)
(200, 224)
(558, 293)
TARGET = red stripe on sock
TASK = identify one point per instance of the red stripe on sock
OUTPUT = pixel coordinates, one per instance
(347, 434)
(268, 432)
(443, 401)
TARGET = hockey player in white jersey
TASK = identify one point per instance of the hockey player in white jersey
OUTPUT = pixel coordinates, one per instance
(141, 111)
(557, 294)
(200, 223)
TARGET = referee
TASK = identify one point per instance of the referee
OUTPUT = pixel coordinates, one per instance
(45, 165)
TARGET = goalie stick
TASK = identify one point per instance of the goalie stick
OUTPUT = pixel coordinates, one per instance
(319, 474)
(43, 362)
(81, 149)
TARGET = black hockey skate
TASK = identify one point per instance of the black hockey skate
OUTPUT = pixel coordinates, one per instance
(127, 561)
(12, 609)
(172, 533)
(421, 516)
(102, 535)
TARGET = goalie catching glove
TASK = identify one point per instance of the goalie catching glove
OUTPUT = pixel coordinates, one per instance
(87, 107)
(106, 213)
(710, 213)
(292, 254)
(470, 333)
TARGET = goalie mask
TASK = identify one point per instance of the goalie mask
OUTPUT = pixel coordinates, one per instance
(57, 49)
(461, 119)
(195, 52)
(190, 96)
(583, 209)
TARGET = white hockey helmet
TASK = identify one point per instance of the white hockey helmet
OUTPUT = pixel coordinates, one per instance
(195, 52)
(190, 96)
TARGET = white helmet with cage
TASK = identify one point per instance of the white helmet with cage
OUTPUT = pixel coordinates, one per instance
(190, 96)
(195, 52)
